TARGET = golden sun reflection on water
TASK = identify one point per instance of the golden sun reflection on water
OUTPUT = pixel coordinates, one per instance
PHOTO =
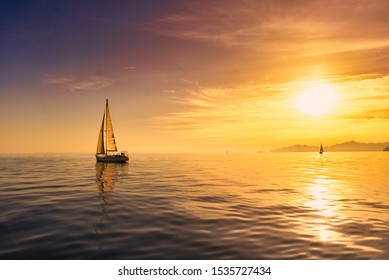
(323, 200)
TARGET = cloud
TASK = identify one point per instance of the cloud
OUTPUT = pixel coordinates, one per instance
(92, 83)
(377, 97)
(217, 110)
(226, 24)
(304, 26)
(263, 41)
(370, 115)
(48, 79)
(206, 110)
(128, 68)
(364, 97)
(74, 84)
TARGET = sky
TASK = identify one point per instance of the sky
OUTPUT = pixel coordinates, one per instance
(192, 76)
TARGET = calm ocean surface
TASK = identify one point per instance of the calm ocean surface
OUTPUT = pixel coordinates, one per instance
(226, 206)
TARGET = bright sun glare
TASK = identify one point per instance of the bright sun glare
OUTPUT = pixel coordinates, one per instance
(317, 99)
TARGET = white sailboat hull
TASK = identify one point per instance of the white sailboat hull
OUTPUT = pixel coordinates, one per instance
(111, 158)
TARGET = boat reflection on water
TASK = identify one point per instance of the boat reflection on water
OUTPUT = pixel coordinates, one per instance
(106, 178)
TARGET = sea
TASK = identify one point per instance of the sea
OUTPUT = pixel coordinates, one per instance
(298, 206)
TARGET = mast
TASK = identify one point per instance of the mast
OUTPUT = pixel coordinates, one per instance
(105, 113)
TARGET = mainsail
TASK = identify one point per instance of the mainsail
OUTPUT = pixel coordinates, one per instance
(106, 142)
(100, 141)
(110, 138)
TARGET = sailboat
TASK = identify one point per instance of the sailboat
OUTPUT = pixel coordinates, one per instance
(106, 145)
(321, 149)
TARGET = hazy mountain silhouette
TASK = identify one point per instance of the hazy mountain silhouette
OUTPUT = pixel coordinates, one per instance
(351, 146)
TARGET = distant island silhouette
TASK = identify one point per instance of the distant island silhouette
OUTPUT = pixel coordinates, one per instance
(351, 146)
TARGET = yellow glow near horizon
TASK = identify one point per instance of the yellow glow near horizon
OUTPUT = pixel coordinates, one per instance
(317, 100)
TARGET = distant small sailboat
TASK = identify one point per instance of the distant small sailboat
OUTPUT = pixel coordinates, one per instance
(106, 145)
(321, 149)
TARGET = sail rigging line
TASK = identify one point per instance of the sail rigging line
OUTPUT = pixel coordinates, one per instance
(105, 113)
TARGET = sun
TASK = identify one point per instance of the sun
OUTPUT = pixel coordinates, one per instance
(317, 100)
